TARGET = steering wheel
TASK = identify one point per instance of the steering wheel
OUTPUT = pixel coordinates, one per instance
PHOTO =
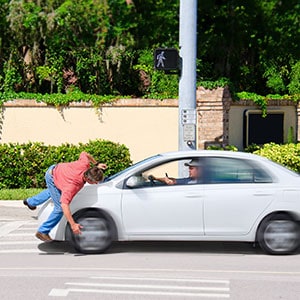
(152, 180)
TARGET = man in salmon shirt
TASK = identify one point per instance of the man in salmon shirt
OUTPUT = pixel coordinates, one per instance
(64, 181)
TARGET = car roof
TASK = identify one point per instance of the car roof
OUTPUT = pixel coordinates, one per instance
(228, 154)
(194, 153)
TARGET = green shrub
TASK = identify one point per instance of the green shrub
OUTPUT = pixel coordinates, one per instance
(24, 165)
(287, 154)
(252, 148)
(219, 147)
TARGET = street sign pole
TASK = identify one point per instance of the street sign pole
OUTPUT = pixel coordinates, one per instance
(187, 81)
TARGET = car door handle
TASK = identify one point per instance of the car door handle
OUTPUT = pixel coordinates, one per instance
(193, 196)
(263, 194)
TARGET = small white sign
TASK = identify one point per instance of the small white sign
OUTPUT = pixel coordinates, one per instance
(189, 132)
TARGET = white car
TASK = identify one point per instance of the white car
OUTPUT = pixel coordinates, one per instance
(240, 197)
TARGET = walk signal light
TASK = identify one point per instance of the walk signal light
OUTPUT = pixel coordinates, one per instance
(166, 59)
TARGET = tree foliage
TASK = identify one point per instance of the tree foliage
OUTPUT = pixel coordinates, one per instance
(254, 43)
(106, 46)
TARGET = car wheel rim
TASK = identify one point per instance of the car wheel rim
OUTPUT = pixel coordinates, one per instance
(281, 235)
(94, 235)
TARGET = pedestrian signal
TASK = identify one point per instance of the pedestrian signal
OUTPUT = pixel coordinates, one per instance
(166, 59)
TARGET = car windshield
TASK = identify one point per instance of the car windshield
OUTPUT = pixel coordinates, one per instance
(131, 167)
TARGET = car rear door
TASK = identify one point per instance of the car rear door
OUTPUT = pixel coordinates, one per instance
(236, 194)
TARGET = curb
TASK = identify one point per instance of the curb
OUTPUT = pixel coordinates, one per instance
(12, 203)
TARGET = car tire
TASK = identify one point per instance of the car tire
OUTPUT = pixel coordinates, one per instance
(97, 233)
(278, 234)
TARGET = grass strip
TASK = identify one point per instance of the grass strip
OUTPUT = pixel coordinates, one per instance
(17, 194)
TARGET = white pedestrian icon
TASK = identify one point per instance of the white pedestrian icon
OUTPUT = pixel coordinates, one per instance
(160, 59)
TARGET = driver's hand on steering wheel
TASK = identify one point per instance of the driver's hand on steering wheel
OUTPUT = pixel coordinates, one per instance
(167, 180)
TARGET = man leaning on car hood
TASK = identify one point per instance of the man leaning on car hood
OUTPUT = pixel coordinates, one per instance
(64, 181)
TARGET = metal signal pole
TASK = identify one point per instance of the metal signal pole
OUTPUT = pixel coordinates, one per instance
(187, 81)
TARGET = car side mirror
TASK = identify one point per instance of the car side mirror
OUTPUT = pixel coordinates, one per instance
(135, 181)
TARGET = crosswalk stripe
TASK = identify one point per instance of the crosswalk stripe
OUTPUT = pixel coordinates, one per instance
(65, 292)
(12, 235)
(150, 286)
(189, 287)
(9, 251)
(20, 234)
(6, 243)
(191, 280)
(10, 226)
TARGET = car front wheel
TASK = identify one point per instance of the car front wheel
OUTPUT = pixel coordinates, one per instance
(278, 235)
(97, 233)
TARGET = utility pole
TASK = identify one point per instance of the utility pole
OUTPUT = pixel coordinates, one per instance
(187, 81)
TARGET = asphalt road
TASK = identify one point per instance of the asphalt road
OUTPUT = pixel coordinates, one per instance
(162, 270)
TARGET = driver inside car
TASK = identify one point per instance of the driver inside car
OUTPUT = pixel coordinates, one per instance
(195, 174)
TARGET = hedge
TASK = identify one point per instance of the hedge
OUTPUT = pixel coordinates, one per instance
(286, 154)
(24, 165)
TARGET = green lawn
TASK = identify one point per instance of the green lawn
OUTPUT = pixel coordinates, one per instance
(17, 194)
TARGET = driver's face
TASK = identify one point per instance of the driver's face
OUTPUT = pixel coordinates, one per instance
(194, 172)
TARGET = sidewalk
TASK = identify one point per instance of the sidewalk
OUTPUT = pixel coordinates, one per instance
(15, 210)
(12, 203)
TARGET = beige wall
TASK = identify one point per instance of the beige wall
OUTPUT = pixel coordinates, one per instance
(145, 126)
(144, 129)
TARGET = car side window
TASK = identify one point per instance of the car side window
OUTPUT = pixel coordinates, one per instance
(148, 178)
(156, 175)
(232, 170)
(167, 174)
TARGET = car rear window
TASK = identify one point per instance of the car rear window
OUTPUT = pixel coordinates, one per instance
(232, 170)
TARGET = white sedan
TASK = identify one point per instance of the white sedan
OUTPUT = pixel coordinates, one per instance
(237, 197)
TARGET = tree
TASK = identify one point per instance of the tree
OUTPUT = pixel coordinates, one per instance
(97, 46)
(254, 43)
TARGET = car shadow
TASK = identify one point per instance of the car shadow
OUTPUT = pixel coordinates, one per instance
(63, 247)
(56, 248)
(186, 247)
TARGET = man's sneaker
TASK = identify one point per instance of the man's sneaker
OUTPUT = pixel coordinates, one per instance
(43, 237)
(28, 205)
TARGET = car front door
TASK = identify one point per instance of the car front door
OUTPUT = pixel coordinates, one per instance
(163, 211)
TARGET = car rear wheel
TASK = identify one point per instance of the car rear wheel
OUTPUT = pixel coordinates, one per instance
(278, 235)
(96, 235)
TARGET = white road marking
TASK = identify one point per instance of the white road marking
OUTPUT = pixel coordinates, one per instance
(11, 226)
(149, 286)
(10, 251)
(19, 243)
(226, 282)
(20, 234)
(65, 292)
(214, 289)
(59, 293)
(10, 232)
(23, 228)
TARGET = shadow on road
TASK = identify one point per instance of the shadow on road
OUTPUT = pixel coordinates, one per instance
(56, 247)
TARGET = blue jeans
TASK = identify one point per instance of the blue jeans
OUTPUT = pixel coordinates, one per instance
(51, 192)
(40, 198)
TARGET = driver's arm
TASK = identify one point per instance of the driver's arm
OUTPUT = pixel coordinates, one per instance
(167, 180)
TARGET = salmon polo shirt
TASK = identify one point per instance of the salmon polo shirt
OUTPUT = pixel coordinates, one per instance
(68, 177)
